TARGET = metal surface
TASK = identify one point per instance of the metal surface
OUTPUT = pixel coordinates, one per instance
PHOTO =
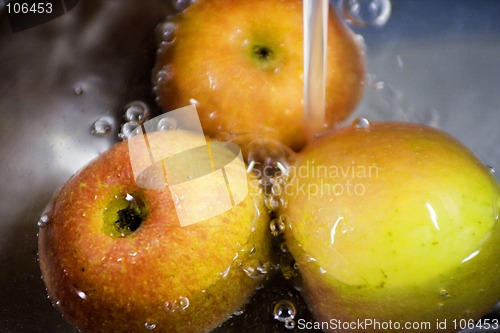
(434, 62)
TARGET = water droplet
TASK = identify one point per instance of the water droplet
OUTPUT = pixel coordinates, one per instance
(183, 303)
(491, 169)
(149, 326)
(127, 130)
(254, 268)
(238, 312)
(102, 126)
(180, 304)
(166, 124)
(42, 222)
(366, 12)
(284, 311)
(166, 32)
(277, 226)
(443, 293)
(137, 112)
(81, 294)
(180, 5)
(361, 123)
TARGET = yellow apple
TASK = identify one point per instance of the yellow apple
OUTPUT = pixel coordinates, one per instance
(394, 225)
(115, 258)
(241, 63)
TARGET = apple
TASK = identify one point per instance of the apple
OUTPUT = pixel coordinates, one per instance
(241, 63)
(115, 258)
(393, 225)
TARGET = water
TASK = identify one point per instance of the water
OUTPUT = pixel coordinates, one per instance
(315, 48)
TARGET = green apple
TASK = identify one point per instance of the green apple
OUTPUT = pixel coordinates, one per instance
(115, 258)
(394, 223)
(241, 63)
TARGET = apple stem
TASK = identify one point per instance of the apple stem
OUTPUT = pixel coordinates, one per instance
(315, 50)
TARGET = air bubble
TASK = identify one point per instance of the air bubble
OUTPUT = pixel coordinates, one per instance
(366, 12)
(180, 5)
(361, 123)
(136, 112)
(277, 226)
(284, 311)
(271, 202)
(149, 326)
(43, 221)
(166, 32)
(166, 124)
(127, 130)
(164, 75)
(102, 126)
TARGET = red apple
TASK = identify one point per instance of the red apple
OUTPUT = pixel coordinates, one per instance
(115, 258)
(241, 63)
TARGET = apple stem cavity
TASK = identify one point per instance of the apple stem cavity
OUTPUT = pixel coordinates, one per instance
(124, 215)
(263, 53)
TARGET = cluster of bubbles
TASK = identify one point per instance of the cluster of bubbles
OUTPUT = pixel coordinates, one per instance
(136, 113)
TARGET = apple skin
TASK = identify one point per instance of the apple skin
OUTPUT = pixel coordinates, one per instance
(213, 63)
(103, 283)
(416, 239)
